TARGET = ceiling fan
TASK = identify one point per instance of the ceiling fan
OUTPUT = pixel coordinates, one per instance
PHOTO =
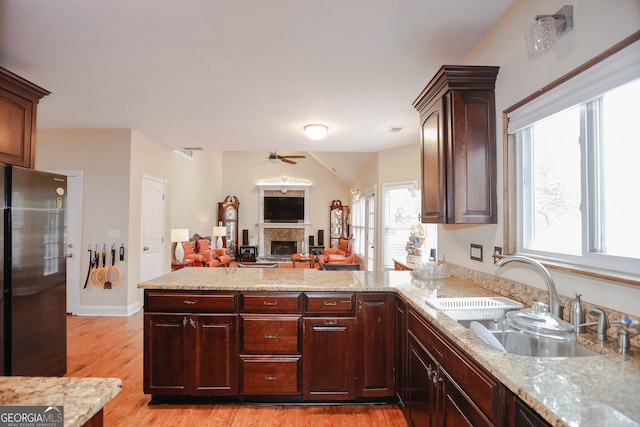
(275, 158)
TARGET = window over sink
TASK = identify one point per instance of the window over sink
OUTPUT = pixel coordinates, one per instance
(573, 157)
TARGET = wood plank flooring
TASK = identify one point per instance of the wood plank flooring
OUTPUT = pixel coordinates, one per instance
(112, 347)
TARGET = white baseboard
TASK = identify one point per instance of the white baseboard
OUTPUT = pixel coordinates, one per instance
(101, 310)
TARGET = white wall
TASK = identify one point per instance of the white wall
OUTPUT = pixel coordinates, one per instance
(598, 26)
(243, 170)
(104, 156)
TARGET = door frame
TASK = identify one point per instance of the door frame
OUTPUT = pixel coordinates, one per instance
(74, 209)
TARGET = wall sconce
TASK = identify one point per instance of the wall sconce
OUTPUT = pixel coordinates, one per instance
(179, 235)
(355, 192)
(316, 132)
(543, 35)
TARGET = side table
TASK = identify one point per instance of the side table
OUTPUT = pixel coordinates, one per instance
(247, 253)
(175, 265)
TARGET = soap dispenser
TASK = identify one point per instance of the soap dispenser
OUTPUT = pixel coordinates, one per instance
(578, 316)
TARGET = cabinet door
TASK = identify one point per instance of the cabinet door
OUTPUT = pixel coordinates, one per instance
(455, 409)
(472, 183)
(214, 351)
(164, 345)
(375, 344)
(401, 355)
(328, 358)
(433, 164)
(422, 392)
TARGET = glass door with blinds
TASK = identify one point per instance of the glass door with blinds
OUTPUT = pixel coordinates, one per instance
(371, 231)
(402, 207)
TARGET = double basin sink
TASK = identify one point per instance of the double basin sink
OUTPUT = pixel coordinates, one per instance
(484, 316)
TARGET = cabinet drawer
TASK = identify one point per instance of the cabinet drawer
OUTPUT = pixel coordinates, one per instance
(270, 302)
(191, 302)
(329, 302)
(271, 376)
(478, 384)
(270, 334)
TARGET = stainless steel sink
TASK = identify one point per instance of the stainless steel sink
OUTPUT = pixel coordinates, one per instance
(531, 349)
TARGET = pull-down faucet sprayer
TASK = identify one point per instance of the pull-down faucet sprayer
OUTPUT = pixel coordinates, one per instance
(554, 302)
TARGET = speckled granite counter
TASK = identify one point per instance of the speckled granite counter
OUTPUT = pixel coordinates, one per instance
(580, 391)
(82, 398)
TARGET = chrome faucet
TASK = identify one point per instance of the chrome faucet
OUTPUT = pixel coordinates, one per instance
(603, 323)
(554, 302)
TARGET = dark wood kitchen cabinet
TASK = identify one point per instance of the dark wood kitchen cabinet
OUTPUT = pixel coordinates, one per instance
(402, 349)
(18, 106)
(270, 344)
(457, 118)
(328, 346)
(375, 320)
(446, 387)
(188, 350)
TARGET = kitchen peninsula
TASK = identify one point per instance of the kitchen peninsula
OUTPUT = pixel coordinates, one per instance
(489, 387)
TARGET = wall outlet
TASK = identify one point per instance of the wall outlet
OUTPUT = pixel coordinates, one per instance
(475, 252)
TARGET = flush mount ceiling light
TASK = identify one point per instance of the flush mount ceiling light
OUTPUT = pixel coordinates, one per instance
(543, 35)
(316, 132)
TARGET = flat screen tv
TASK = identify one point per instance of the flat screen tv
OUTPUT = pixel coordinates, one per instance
(283, 209)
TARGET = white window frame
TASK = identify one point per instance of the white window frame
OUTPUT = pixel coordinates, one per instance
(617, 66)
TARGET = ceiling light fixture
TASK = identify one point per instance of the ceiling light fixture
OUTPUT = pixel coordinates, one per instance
(316, 132)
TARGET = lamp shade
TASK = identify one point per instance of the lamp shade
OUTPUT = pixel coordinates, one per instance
(179, 234)
(316, 131)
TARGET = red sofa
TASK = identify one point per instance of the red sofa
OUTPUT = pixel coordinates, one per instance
(199, 250)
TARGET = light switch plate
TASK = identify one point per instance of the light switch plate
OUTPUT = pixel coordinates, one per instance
(475, 252)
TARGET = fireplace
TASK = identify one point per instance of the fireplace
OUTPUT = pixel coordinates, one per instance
(284, 247)
(287, 238)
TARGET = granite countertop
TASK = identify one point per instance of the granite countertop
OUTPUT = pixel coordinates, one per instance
(579, 391)
(82, 398)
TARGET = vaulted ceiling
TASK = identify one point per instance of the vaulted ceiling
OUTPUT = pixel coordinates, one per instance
(241, 74)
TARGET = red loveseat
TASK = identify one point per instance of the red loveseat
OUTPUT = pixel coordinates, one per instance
(199, 250)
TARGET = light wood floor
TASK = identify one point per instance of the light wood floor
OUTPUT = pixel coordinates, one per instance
(112, 347)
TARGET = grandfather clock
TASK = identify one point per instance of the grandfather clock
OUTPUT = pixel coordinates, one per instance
(338, 222)
(228, 217)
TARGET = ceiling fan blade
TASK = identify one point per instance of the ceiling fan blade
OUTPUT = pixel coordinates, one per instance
(285, 160)
(295, 157)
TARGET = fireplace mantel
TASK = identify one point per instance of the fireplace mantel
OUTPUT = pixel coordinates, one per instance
(283, 185)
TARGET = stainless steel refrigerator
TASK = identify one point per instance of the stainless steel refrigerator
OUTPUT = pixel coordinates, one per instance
(33, 258)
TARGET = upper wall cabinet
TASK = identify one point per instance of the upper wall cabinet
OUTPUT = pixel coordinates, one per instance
(458, 124)
(18, 104)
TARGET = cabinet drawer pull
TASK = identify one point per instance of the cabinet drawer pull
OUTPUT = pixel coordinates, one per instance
(330, 303)
(188, 302)
(270, 378)
(330, 322)
(269, 303)
(270, 337)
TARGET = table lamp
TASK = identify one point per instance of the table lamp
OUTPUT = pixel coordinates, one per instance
(219, 232)
(179, 235)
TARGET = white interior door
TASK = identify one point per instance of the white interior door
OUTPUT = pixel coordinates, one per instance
(152, 228)
(77, 258)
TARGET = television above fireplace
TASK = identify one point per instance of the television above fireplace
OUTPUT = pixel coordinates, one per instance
(283, 209)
